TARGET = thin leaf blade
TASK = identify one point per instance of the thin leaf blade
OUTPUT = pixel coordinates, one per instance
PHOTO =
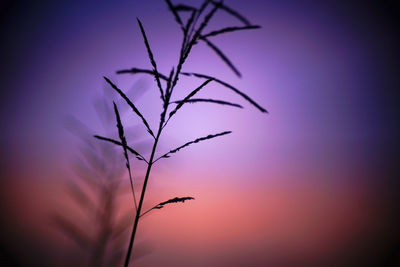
(223, 57)
(221, 102)
(130, 103)
(137, 70)
(230, 29)
(173, 200)
(210, 136)
(183, 8)
(237, 91)
(151, 57)
(232, 12)
(121, 134)
(173, 10)
(188, 97)
(198, 32)
(115, 142)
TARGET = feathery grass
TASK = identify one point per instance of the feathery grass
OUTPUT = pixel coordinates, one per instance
(210, 136)
(192, 32)
(151, 57)
(232, 12)
(170, 201)
(130, 103)
(115, 142)
(182, 7)
(230, 29)
(221, 55)
(227, 85)
(188, 97)
(198, 100)
(137, 70)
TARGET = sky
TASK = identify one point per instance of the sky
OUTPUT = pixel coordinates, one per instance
(310, 183)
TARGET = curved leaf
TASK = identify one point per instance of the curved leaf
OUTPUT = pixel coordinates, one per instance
(230, 29)
(221, 102)
(151, 57)
(222, 56)
(237, 91)
(210, 136)
(137, 70)
(188, 97)
(232, 12)
(115, 142)
(129, 102)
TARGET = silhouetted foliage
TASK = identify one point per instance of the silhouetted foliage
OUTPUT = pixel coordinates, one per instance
(138, 156)
(170, 201)
(197, 100)
(188, 97)
(237, 91)
(151, 57)
(192, 32)
(130, 103)
(210, 136)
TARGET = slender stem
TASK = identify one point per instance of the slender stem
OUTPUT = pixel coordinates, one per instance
(150, 162)
(128, 255)
(141, 215)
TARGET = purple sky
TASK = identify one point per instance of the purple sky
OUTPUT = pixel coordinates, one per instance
(310, 178)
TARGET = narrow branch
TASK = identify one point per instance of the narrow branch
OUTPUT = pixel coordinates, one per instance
(197, 100)
(137, 70)
(223, 57)
(232, 12)
(197, 16)
(184, 8)
(210, 136)
(237, 91)
(199, 30)
(151, 57)
(137, 154)
(188, 97)
(174, 12)
(230, 29)
(172, 200)
(130, 103)
(135, 224)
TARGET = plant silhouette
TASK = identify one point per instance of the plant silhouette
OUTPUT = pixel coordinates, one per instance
(192, 33)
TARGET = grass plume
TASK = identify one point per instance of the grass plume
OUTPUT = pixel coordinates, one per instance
(188, 97)
(220, 102)
(227, 85)
(222, 56)
(137, 70)
(115, 142)
(151, 57)
(130, 103)
(210, 136)
(183, 8)
(170, 201)
(192, 32)
(230, 29)
(232, 12)
(174, 11)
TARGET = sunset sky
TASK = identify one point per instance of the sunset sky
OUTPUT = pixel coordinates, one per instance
(310, 183)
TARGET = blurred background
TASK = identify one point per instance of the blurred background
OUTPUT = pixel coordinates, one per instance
(312, 183)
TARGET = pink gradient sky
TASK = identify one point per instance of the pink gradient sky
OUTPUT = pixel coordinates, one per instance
(305, 184)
